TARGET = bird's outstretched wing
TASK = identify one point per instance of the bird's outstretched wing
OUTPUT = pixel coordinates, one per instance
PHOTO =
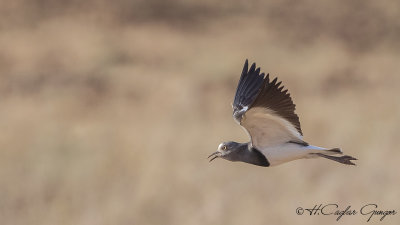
(265, 110)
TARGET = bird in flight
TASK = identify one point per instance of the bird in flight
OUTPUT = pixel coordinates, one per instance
(266, 111)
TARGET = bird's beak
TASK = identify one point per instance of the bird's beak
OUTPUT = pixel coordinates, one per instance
(214, 155)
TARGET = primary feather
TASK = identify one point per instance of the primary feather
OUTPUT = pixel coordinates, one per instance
(265, 110)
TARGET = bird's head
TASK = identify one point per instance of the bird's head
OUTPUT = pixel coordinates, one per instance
(225, 150)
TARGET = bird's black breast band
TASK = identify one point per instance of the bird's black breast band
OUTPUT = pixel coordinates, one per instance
(262, 160)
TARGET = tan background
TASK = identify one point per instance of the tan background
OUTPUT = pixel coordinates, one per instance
(108, 109)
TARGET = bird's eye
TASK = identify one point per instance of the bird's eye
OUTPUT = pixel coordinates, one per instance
(223, 148)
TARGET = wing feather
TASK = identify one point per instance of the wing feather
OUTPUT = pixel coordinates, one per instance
(272, 97)
(249, 86)
(265, 109)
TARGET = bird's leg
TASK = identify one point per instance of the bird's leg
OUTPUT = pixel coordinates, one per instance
(346, 159)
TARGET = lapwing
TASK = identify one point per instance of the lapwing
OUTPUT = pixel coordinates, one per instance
(267, 113)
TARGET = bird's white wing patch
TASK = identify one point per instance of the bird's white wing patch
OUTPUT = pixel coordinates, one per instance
(267, 128)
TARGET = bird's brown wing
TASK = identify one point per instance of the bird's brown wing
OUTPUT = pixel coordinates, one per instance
(265, 110)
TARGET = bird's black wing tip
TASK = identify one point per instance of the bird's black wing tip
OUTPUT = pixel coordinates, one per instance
(249, 86)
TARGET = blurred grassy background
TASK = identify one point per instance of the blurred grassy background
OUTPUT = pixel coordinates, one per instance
(110, 108)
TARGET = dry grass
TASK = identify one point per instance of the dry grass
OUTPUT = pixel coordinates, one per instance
(108, 110)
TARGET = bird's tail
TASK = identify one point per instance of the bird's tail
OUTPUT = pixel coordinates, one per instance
(346, 159)
(316, 149)
(327, 154)
(334, 151)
